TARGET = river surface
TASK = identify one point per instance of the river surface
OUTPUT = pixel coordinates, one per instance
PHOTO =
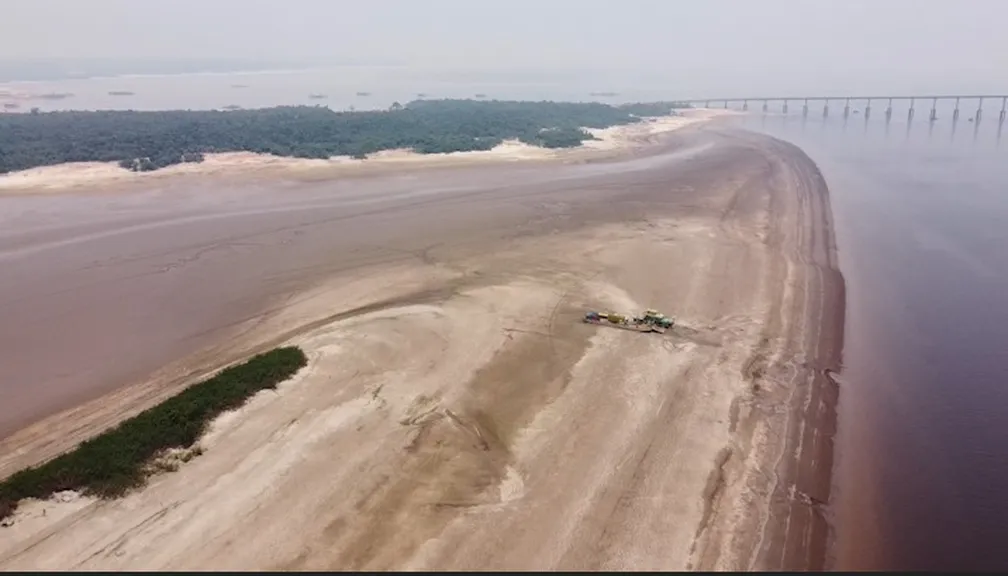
(340, 88)
(922, 233)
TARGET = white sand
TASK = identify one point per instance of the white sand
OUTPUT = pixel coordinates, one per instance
(493, 429)
(371, 458)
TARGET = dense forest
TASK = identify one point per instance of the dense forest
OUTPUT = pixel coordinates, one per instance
(144, 141)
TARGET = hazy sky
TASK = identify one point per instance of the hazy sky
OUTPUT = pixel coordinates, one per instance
(833, 43)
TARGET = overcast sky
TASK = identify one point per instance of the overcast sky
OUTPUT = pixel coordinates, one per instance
(960, 43)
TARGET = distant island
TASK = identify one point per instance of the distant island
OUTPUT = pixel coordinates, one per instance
(120, 93)
(144, 141)
(317, 96)
(480, 95)
(11, 105)
(65, 67)
(363, 93)
(232, 107)
(55, 96)
(239, 86)
(605, 94)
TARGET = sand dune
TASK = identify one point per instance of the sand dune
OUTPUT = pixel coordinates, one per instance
(457, 414)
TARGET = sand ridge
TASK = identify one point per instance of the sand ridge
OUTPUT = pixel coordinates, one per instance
(456, 414)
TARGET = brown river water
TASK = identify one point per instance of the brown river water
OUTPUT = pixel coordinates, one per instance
(922, 235)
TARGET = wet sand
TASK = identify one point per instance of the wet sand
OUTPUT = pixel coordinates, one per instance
(455, 412)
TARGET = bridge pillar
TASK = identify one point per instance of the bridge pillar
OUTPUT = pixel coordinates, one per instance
(1001, 118)
(707, 104)
(725, 104)
(784, 108)
(804, 111)
(910, 112)
(934, 110)
(867, 110)
(745, 105)
(825, 109)
(955, 113)
(765, 107)
(979, 113)
(846, 109)
(888, 111)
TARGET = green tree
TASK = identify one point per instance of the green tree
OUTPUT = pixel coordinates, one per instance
(144, 141)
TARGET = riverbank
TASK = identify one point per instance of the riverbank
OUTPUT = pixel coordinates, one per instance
(455, 412)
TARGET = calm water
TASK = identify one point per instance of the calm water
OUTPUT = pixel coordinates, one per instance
(922, 229)
(339, 86)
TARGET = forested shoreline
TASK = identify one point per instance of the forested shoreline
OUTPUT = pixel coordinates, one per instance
(144, 141)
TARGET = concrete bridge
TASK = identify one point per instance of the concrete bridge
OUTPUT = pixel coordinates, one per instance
(825, 100)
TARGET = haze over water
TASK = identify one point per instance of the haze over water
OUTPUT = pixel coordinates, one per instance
(922, 231)
(340, 88)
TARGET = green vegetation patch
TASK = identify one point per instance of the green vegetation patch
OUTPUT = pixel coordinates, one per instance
(653, 108)
(145, 141)
(116, 461)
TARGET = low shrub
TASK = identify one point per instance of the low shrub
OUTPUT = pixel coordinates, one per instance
(116, 460)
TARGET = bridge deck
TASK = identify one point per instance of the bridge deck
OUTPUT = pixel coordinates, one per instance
(822, 98)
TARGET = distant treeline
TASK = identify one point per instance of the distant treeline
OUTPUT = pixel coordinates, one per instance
(144, 141)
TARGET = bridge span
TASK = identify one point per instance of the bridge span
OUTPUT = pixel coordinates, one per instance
(934, 99)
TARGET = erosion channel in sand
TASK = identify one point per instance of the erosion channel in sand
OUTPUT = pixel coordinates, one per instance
(455, 412)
